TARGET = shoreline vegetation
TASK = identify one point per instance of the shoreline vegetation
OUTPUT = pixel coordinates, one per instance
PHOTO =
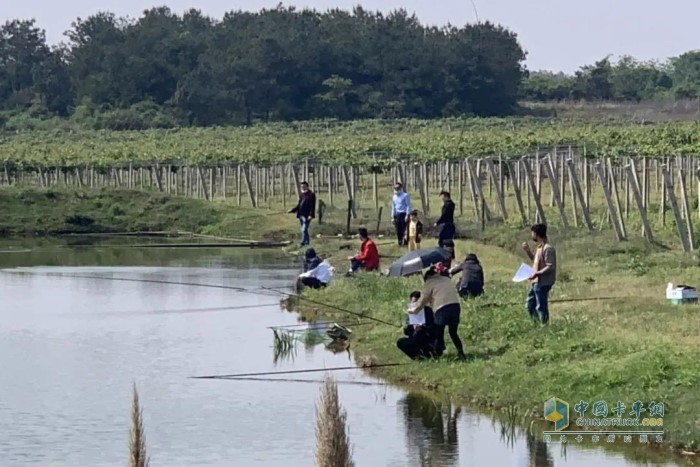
(611, 336)
(623, 344)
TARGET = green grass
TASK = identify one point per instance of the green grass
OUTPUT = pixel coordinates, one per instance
(634, 347)
(34, 211)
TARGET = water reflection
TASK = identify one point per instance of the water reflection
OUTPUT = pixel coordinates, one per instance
(431, 430)
(538, 454)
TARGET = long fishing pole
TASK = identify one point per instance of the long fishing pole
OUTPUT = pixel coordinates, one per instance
(565, 300)
(316, 381)
(254, 291)
(316, 326)
(261, 215)
(333, 307)
(289, 372)
(189, 310)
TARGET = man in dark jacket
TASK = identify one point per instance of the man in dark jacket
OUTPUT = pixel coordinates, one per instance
(420, 339)
(446, 223)
(472, 282)
(305, 211)
(311, 260)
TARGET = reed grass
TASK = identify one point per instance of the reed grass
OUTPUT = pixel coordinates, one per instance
(632, 347)
(137, 440)
(333, 447)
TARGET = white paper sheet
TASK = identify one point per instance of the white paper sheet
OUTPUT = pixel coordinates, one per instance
(418, 318)
(415, 318)
(523, 273)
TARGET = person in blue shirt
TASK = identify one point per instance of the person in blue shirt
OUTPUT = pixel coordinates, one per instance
(400, 210)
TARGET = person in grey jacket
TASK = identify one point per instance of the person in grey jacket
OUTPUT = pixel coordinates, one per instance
(471, 284)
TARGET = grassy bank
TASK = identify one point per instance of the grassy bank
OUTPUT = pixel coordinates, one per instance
(32, 211)
(633, 347)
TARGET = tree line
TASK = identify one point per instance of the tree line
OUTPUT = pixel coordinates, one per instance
(165, 69)
(627, 79)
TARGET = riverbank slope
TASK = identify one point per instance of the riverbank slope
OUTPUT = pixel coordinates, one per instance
(611, 337)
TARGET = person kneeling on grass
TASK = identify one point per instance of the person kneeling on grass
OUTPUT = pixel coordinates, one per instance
(311, 260)
(443, 298)
(472, 282)
(419, 340)
(368, 259)
(318, 277)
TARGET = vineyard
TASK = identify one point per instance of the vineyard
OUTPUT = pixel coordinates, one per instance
(362, 143)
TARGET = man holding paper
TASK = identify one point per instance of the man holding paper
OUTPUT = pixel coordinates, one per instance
(544, 265)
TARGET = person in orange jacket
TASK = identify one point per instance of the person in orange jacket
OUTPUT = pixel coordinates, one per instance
(368, 259)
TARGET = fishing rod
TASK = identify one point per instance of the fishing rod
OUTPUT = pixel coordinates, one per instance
(187, 310)
(566, 300)
(261, 215)
(333, 307)
(254, 291)
(289, 372)
(315, 381)
(315, 326)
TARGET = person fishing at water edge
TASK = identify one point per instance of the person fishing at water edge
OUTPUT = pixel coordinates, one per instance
(446, 223)
(440, 294)
(305, 211)
(318, 277)
(400, 209)
(311, 260)
(544, 262)
(368, 259)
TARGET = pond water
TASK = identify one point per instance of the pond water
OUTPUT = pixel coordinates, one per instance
(72, 347)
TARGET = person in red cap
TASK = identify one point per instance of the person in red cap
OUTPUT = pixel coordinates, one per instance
(368, 259)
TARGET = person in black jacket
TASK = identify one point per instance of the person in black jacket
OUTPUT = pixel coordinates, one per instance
(305, 211)
(446, 223)
(420, 340)
(472, 282)
(311, 260)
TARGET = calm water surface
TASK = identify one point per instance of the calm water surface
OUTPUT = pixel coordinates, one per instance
(71, 348)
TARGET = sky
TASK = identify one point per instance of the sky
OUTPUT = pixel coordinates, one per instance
(558, 35)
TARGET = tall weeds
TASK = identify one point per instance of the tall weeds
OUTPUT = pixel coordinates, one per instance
(332, 442)
(137, 440)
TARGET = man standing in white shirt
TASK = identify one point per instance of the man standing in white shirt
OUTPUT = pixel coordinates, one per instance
(400, 211)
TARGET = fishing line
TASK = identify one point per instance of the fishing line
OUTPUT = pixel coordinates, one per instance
(315, 381)
(184, 311)
(254, 291)
(289, 372)
(260, 215)
(566, 300)
(333, 307)
(315, 326)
